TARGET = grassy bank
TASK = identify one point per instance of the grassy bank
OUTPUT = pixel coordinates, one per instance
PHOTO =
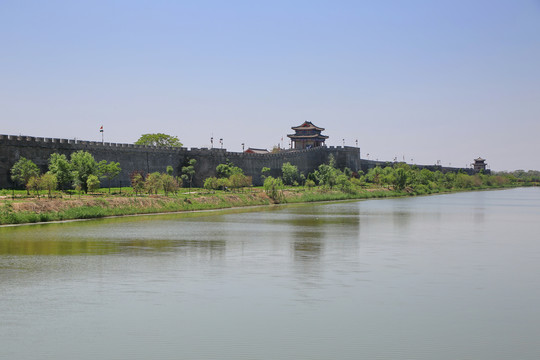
(20, 209)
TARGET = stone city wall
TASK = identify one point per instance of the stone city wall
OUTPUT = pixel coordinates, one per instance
(149, 159)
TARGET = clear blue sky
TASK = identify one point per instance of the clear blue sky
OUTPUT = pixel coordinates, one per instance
(421, 80)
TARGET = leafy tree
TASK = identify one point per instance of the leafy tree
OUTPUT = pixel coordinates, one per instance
(273, 187)
(34, 184)
(400, 179)
(159, 139)
(374, 175)
(83, 165)
(92, 183)
(344, 183)
(60, 167)
(153, 183)
(189, 171)
(109, 170)
(290, 173)
(326, 175)
(425, 176)
(228, 169)
(170, 170)
(388, 175)
(239, 181)
(23, 170)
(49, 182)
(310, 184)
(211, 183)
(169, 183)
(137, 181)
(224, 184)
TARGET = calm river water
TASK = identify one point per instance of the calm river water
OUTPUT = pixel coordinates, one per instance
(440, 277)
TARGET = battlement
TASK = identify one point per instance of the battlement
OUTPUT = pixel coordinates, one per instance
(24, 140)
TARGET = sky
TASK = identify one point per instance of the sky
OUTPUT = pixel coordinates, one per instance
(420, 81)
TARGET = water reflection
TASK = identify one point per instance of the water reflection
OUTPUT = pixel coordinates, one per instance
(397, 278)
(307, 248)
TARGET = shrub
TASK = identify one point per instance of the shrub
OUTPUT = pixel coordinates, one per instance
(274, 188)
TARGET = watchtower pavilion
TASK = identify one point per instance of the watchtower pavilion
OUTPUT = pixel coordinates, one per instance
(479, 164)
(307, 136)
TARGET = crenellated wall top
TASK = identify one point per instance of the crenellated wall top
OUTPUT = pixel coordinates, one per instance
(96, 145)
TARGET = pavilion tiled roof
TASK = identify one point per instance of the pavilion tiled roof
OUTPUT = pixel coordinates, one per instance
(314, 136)
(307, 125)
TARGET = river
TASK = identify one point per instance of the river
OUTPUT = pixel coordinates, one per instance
(451, 276)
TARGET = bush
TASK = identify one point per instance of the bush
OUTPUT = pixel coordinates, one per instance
(274, 188)
(153, 183)
(92, 183)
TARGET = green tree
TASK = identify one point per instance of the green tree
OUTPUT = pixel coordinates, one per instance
(211, 183)
(83, 165)
(400, 178)
(310, 184)
(188, 172)
(425, 176)
(49, 182)
(92, 183)
(388, 175)
(238, 181)
(23, 170)
(290, 173)
(169, 184)
(34, 184)
(326, 175)
(137, 181)
(223, 183)
(273, 187)
(374, 175)
(228, 169)
(344, 184)
(170, 170)
(109, 171)
(152, 184)
(60, 167)
(159, 139)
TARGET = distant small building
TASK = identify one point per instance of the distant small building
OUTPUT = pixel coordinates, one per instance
(479, 164)
(256, 151)
(307, 136)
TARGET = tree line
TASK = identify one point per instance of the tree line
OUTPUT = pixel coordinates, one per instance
(83, 173)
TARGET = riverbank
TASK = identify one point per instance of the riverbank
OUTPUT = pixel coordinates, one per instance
(37, 210)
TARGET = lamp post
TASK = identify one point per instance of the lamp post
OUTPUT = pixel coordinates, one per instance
(221, 142)
(343, 142)
(212, 142)
(356, 141)
(242, 147)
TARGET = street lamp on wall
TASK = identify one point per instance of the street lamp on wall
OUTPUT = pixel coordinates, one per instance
(242, 147)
